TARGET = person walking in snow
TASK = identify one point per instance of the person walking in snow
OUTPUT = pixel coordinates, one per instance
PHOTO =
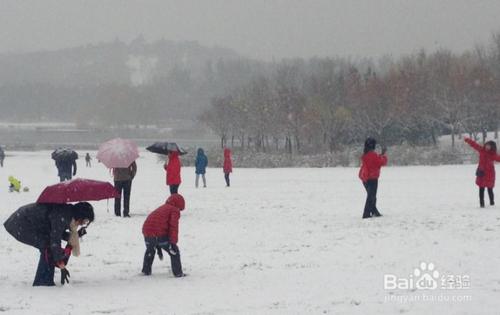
(87, 160)
(44, 226)
(201, 167)
(160, 231)
(173, 169)
(228, 166)
(485, 173)
(123, 184)
(2, 156)
(371, 163)
(66, 169)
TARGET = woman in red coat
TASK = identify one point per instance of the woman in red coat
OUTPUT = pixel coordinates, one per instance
(371, 163)
(161, 231)
(228, 166)
(173, 169)
(485, 174)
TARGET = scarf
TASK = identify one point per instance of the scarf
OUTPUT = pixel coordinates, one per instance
(74, 240)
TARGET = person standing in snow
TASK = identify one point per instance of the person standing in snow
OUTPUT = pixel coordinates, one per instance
(228, 166)
(173, 169)
(485, 173)
(161, 232)
(201, 167)
(2, 156)
(44, 226)
(371, 163)
(123, 184)
(87, 160)
(66, 169)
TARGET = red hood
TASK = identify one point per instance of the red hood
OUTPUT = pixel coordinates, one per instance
(177, 201)
(173, 154)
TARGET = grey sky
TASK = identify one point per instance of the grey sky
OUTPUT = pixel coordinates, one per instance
(256, 28)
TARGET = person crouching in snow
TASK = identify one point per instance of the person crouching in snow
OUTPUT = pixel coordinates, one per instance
(485, 173)
(371, 163)
(173, 169)
(44, 226)
(160, 231)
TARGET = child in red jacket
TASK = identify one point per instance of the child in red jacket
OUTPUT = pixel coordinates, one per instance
(371, 163)
(160, 231)
(485, 173)
(173, 169)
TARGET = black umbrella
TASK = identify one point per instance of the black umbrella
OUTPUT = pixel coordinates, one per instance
(165, 148)
(64, 154)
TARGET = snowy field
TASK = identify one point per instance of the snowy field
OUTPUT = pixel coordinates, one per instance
(280, 241)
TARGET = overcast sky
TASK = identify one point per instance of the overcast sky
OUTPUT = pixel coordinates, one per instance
(255, 28)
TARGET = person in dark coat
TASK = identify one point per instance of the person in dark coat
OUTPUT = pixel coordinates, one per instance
(161, 232)
(485, 173)
(371, 163)
(44, 226)
(228, 166)
(66, 169)
(2, 156)
(123, 183)
(173, 169)
(87, 160)
(201, 167)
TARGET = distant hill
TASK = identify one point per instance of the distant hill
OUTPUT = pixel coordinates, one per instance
(118, 83)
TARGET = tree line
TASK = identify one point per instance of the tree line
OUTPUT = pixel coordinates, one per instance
(324, 104)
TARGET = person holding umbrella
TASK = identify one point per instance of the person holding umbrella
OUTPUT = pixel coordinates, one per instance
(44, 226)
(123, 177)
(120, 155)
(65, 160)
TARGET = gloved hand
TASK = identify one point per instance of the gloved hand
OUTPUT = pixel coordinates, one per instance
(172, 249)
(65, 276)
(82, 232)
(160, 253)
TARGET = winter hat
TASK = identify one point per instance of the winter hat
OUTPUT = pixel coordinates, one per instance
(493, 146)
(177, 201)
(370, 144)
(83, 210)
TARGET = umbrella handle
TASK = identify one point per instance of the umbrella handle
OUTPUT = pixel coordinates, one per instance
(107, 205)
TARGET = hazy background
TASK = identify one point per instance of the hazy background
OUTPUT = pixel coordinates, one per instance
(256, 28)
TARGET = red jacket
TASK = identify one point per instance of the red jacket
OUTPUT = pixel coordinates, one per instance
(486, 164)
(173, 168)
(228, 164)
(371, 163)
(164, 221)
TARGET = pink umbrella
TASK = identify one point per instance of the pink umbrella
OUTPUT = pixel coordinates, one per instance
(78, 190)
(118, 153)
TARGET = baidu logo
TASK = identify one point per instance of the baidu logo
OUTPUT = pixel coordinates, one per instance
(426, 277)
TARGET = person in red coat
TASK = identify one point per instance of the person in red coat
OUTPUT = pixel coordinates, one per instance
(161, 231)
(485, 173)
(173, 169)
(371, 163)
(228, 166)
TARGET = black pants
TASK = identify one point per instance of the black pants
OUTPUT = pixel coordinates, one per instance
(45, 271)
(490, 194)
(124, 187)
(65, 176)
(1, 162)
(88, 164)
(174, 189)
(226, 177)
(371, 187)
(152, 245)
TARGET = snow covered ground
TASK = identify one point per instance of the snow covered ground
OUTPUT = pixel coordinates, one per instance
(280, 241)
